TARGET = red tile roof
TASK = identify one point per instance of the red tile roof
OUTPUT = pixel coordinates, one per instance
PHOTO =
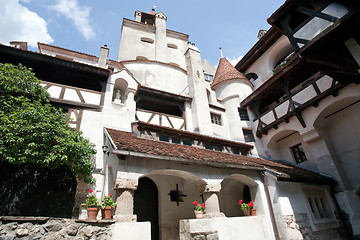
(128, 141)
(225, 71)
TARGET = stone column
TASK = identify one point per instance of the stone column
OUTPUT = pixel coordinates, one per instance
(124, 211)
(212, 201)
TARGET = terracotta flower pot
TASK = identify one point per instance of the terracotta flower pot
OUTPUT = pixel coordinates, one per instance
(92, 213)
(253, 212)
(198, 214)
(246, 212)
(107, 212)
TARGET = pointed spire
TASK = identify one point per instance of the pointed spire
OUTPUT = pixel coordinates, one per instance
(224, 72)
(221, 53)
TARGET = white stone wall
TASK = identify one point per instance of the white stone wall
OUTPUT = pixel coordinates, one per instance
(264, 65)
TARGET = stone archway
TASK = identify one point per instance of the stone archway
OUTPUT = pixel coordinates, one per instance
(171, 183)
(338, 125)
(234, 188)
(280, 146)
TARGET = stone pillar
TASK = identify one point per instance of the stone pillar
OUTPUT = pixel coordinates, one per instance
(212, 201)
(124, 211)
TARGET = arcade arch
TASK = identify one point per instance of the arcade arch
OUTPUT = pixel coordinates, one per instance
(234, 188)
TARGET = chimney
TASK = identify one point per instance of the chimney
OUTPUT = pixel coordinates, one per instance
(19, 44)
(104, 53)
(261, 33)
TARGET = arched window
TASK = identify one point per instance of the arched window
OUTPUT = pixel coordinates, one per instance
(142, 58)
(251, 76)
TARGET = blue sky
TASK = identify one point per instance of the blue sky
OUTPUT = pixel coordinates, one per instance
(85, 25)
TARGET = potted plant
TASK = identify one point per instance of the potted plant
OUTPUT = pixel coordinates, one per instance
(246, 207)
(199, 209)
(107, 207)
(92, 206)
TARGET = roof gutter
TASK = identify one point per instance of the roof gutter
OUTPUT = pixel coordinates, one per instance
(110, 139)
(183, 160)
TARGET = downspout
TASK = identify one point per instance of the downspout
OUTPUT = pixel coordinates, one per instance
(272, 215)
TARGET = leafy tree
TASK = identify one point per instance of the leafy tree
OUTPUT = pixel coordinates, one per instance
(34, 132)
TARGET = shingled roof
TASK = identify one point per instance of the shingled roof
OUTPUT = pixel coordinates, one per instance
(128, 142)
(224, 72)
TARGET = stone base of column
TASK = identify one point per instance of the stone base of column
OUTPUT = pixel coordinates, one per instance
(212, 215)
(125, 218)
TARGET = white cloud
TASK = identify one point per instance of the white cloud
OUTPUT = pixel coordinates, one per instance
(18, 23)
(78, 14)
(235, 60)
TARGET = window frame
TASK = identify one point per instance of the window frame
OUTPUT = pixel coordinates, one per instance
(322, 211)
(246, 136)
(243, 114)
(298, 154)
(215, 118)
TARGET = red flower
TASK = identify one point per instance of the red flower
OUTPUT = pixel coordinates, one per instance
(91, 191)
(203, 205)
(110, 195)
(240, 202)
(194, 203)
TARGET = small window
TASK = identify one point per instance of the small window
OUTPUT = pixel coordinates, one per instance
(209, 77)
(248, 135)
(164, 138)
(235, 151)
(142, 58)
(319, 207)
(215, 118)
(318, 203)
(147, 40)
(175, 140)
(187, 142)
(243, 114)
(244, 153)
(218, 148)
(251, 76)
(171, 45)
(298, 153)
(208, 146)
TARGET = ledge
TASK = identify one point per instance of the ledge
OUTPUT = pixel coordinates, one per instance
(102, 222)
(24, 219)
(41, 220)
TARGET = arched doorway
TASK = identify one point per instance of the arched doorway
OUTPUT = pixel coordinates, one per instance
(146, 205)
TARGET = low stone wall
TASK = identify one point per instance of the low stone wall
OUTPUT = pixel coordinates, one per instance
(298, 227)
(45, 228)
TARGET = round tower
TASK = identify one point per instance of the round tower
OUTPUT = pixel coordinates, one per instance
(231, 87)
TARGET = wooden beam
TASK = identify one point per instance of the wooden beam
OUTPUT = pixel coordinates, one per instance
(289, 34)
(313, 13)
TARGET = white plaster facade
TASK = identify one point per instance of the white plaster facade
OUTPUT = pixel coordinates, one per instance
(152, 56)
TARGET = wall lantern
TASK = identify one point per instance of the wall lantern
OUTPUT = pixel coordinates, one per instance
(106, 150)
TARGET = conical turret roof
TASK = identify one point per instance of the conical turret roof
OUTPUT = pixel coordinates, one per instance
(224, 72)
